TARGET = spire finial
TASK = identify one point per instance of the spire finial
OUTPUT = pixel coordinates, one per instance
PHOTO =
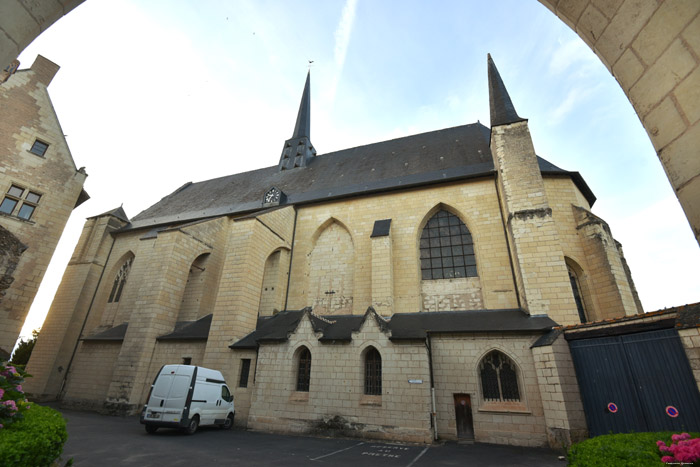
(502, 109)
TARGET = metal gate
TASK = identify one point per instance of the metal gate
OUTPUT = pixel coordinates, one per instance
(636, 382)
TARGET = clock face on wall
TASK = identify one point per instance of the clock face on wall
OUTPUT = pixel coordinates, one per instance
(272, 196)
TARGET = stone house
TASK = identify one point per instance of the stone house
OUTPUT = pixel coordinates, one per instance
(39, 185)
(394, 290)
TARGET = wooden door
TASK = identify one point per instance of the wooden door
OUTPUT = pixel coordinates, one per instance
(463, 415)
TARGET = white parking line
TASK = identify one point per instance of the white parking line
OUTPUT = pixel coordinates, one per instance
(418, 456)
(336, 452)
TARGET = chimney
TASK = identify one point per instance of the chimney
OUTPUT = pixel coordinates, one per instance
(44, 69)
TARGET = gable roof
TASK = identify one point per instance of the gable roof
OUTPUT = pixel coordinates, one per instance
(277, 328)
(438, 156)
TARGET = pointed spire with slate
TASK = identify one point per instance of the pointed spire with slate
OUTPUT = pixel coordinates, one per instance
(502, 109)
(298, 149)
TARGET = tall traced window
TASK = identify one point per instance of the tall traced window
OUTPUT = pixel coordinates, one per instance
(446, 248)
(576, 289)
(373, 372)
(499, 378)
(20, 202)
(304, 370)
(120, 281)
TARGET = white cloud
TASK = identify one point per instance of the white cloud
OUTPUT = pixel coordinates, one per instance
(342, 39)
(569, 53)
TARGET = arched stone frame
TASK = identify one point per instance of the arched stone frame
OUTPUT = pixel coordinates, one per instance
(331, 301)
(450, 294)
(365, 350)
(110, 308)
(292, 364)
(274, 282)
(519, 406)
(584, 288)
(462, 217)
(195, 288)
(302, 364)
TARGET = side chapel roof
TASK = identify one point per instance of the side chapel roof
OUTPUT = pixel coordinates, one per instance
(279, 327)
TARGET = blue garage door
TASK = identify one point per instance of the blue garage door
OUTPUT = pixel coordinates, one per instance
(645, 376)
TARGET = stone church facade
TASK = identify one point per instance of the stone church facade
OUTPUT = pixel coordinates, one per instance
(400, 290)
(40, 186)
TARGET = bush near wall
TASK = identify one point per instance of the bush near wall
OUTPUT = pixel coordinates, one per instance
(36, 440)
(621, 450)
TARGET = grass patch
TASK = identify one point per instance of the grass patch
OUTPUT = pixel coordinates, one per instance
(36, 440)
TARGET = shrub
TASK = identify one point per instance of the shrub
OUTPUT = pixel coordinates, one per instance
(36, 440)
(623, 450)
(12, 400)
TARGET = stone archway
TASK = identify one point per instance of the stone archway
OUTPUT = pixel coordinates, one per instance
(652, 48)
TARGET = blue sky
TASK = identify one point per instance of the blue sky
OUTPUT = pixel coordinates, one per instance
(155, 94)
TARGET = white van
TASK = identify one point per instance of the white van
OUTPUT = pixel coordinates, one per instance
(185, 397)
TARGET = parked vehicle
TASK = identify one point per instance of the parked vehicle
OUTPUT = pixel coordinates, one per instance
(186, 397)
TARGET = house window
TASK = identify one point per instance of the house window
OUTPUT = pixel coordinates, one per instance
(373, 372)
(446, 248)
(39, 148)
(304, 370)
(120, 281)
(499, 379)
(187, 360)
(26, 200)
(245, 370)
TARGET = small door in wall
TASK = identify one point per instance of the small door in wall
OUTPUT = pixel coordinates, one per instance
(463, 416)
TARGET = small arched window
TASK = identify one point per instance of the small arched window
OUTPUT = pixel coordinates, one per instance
(499, 378)
(304, 370)
(120, 281)
(446, 248)
(373, 372)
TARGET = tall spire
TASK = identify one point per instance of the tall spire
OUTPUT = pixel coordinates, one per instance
(303, 125)
(502, 109)
(298, 149)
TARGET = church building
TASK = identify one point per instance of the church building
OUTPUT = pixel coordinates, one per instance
(402, 290)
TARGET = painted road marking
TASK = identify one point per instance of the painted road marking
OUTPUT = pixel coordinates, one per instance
(418, 456)
(336, 452)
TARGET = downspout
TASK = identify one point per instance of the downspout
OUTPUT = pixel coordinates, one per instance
(82, 328)
(433, 410)
(505, 233)
(291, 256)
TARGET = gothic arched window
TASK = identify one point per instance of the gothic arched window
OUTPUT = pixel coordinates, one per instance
(578, 298)
(499, 378)
(120, 281)
(304, 370)
(446, 248)
(373, 372)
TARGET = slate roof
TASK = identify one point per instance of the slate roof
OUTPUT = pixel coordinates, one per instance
(277, 328)
(438, 156)
(502, 109)
(115, 333)
(190, 330)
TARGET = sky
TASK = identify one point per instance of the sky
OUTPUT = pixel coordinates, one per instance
(151, 95)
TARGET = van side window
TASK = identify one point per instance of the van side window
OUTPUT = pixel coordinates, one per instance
(226, 394)
(245, 369)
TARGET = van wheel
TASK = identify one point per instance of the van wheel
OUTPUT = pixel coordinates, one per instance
(193, 425)
(228, 424)
(150, 429)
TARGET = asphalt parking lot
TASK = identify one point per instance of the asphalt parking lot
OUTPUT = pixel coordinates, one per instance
(99, 440)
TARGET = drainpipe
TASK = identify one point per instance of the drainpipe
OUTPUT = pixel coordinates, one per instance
(433, 410)
(505, 233)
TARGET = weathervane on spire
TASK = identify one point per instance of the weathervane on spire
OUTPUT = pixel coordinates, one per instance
(310, 62)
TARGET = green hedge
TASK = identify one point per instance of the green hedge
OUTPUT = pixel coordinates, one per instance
(37, 440)
(621, 450)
